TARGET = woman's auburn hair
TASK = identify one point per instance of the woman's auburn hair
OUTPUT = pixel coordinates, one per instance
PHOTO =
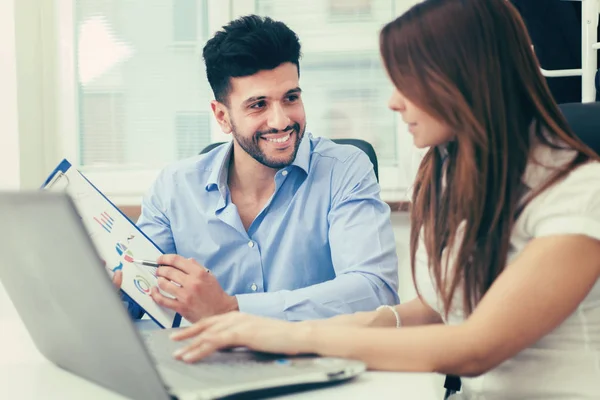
(470, 64)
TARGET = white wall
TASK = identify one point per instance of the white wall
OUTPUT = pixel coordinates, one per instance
(401, 224)
(35, 52)
(9, 127)
(9, 136)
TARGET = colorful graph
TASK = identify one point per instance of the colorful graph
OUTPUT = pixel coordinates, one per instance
(142, 284)
(123, 252)
(105, 221)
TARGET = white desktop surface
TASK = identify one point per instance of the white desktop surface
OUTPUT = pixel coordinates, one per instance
(26, 374)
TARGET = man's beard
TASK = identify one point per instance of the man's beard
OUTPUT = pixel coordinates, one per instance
(252, 145)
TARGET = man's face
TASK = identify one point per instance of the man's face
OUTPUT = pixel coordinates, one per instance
(266, 115)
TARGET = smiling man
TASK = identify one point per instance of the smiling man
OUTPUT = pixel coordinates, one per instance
(277, 222)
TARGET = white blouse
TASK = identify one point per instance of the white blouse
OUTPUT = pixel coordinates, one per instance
(564, 364)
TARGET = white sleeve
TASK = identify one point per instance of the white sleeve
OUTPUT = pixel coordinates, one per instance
(571, 206)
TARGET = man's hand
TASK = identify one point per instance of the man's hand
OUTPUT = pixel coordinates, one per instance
(197, 292)
(117, 279)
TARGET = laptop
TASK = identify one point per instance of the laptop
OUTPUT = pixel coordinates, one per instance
(60, 288)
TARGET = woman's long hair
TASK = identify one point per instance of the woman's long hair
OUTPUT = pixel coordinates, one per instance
(470, 64)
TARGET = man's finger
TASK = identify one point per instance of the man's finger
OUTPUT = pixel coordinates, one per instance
(169, 287)
(163, 301)
(117, 279)
(171, 259)
(172, 274)
(176, 261)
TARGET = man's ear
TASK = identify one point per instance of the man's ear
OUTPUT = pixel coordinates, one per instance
(221, 114)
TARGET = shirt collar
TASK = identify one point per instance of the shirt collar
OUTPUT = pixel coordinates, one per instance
(302, 159)
(218, 176)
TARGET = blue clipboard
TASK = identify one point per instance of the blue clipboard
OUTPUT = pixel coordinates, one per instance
(59, 176)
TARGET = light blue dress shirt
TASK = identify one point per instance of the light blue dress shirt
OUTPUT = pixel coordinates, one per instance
(322, 245)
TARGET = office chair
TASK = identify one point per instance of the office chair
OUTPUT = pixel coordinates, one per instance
(584, 120)
(361, 144)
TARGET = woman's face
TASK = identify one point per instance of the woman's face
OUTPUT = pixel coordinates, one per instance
(426, 130)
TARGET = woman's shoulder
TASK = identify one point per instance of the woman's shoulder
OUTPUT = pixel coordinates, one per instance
(548, 157)
(581, 180)
(588, 172)
(571, 205)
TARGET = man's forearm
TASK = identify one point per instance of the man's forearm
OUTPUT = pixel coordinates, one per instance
(346, 294)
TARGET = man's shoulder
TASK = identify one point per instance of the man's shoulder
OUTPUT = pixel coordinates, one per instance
(338, 153)
(345, 164)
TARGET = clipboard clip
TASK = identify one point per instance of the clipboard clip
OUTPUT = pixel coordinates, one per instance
(57, 177)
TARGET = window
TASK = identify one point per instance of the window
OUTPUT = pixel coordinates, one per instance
(190, 25)
(357, 114)
(151, 78)
(192, 133)
(185, 17)
(134, 95)
(101, 136)
(141, 96)
(345, 87)
(350, 10)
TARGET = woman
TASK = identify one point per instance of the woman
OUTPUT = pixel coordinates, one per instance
(505, 237)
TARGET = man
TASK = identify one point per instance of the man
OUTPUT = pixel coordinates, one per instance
(277, 223)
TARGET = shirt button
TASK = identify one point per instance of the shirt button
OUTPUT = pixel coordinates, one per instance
(254, 287)
(251, 244)
(284, 172)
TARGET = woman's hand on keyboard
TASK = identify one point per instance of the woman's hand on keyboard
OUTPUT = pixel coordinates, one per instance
(242, 330)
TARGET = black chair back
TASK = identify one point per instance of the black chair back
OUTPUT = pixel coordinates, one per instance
(211, 147)
(584, 120)
(361, 144)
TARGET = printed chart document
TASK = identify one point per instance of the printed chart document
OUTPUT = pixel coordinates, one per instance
(117, 239)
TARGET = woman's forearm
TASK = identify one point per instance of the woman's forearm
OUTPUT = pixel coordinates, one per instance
(411, 313)
(416, 312)
(433, 348)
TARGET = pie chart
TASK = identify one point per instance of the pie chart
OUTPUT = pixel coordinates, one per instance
(123, 251)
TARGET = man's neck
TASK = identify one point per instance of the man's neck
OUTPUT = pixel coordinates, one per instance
(250, 177)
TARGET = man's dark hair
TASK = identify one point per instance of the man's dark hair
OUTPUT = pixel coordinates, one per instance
(245, 46)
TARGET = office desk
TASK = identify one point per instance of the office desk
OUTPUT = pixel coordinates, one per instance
(26, 374)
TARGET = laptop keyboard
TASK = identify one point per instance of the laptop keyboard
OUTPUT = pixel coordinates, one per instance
(228, 366)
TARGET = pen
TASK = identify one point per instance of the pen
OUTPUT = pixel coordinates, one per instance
(145, 262)
(148, 263)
